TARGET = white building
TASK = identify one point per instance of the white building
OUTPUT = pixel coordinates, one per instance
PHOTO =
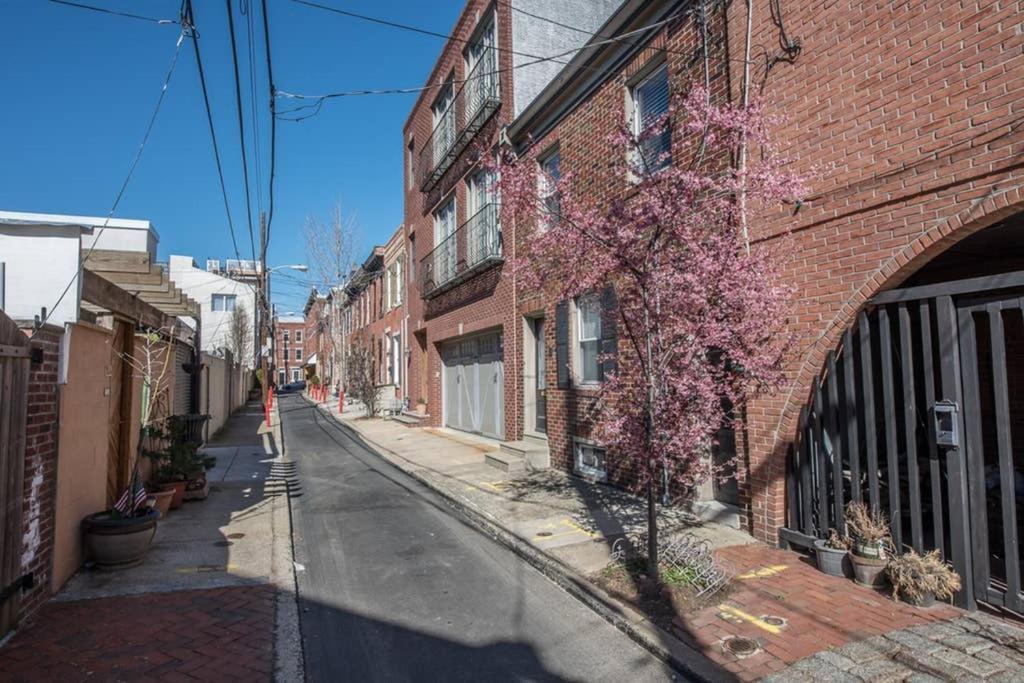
(42, 256)
(219, 297)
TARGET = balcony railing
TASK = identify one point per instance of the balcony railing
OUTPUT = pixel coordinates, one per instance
(474, 246)
(474, 103)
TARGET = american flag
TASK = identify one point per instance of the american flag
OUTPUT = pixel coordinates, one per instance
(133, 496)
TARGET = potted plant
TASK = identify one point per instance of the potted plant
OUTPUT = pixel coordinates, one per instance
(920, 579)
(162, 500)
(178, 466)
(832, 554)
(120, 537)
(869, 532)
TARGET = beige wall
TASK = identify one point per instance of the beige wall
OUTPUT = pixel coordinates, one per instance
(224, 390)
(82, 455)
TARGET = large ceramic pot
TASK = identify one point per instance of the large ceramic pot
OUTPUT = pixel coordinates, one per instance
(869, 571)
(115, 542)
(832, 561)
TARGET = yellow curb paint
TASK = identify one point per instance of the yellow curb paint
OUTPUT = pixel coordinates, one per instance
(496, 485)
(750, 619)
(764, 571)
(571, 524)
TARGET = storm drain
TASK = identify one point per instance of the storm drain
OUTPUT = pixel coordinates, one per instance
(544, 534)
(741, 647)
(236, 535)
(769, 619)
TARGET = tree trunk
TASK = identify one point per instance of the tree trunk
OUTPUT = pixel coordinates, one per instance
(652, 532)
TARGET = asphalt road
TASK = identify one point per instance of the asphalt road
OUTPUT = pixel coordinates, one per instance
(395, 586)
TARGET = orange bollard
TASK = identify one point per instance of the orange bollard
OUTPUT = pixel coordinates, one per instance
(341, 402)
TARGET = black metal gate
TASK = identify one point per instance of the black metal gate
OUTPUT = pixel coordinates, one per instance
(920, 414)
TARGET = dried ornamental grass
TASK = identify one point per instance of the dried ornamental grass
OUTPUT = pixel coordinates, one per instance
(915, 576)
(864, 525)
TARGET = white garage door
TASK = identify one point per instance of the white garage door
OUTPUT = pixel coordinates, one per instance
(474, 381)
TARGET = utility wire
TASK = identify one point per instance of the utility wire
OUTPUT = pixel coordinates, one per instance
(247, 9)
(124, 185)
(241, 126)
(189, 27)
(114, 12)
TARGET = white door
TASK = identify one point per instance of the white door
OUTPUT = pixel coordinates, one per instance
(474, 383)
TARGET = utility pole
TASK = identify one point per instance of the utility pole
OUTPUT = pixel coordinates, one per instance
(261, 304)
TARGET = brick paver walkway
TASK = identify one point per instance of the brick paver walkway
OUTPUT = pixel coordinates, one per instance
(222, 634)
(792, 610)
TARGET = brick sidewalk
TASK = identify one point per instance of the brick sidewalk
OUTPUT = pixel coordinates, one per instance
(817, 612)
(222, 634)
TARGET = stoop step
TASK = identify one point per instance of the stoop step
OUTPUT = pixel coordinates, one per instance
(509, 462)
(531, 450)
(407, 419)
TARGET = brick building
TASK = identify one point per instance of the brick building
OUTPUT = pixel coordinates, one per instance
(317, 337)
(289, 349)
(905, 119)
(377, 317)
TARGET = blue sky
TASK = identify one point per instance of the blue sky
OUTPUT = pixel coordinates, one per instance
(78, 87)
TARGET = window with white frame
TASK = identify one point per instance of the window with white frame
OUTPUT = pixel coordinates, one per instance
(285, 335)
(650, 103)
(551, 198)
(224, 302)
(298, 354)
(410, 163)
(445, 249)
(588, 338)
(296, 374)
(298, 336)
(481, 69)
(444, 122)
(588, 460)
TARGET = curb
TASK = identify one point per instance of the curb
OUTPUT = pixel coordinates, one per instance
(659, 642)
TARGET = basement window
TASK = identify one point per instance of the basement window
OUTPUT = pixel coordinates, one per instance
(588, 460)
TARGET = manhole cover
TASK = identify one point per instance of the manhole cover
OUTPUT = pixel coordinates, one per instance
(236, 535)
(222, 544)
(544, 534)
(767, 618)
(740, 646)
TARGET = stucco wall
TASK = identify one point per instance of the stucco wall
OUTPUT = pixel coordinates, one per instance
(82, 459)
(40, 261)
(225, 389)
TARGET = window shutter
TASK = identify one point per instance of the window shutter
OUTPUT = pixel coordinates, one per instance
(562, 343)
(609, 338)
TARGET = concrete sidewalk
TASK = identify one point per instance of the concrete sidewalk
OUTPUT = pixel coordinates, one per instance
(792, 621)
(205, 600)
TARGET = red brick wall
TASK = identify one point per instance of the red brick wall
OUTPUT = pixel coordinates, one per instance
(40, 469)
(902, 117)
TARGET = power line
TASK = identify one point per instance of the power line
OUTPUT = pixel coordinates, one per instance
(247, 10)
(241, 127)
(114, 12)
(189, 27)
(127, 179)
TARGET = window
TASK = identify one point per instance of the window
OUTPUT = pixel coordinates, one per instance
(588, 460)
(298, 354)
(551, 198)
(281, 377)
(445, 249)
(298, 336)
(481, 65)
(588, 338)
(650, 100)
(412, 257)
(285, 333)
(444, 122)
(410, 170)
(224, 302)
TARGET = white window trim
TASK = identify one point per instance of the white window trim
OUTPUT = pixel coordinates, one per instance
(576, 328)
(632, 117)
(600, 475)
(543, 188)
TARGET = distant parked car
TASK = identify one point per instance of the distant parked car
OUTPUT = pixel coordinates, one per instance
(292, 387)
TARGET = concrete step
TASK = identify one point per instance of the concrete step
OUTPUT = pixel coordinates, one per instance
(534, 451)
(408, 419)
(509, 463)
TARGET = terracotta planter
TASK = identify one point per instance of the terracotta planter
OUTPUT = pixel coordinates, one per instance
(421, 408)
(118, 542)
(869, 571)
(163, 501)
(178, 487)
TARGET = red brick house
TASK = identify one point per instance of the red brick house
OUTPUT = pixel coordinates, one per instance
(289, 345)
(905, 388)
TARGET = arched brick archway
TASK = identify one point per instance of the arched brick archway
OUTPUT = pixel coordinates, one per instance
(763, 475)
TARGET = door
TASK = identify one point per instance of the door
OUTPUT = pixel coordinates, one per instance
(445, 245)
(992, 363)
(474, 381)
(540, 363)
